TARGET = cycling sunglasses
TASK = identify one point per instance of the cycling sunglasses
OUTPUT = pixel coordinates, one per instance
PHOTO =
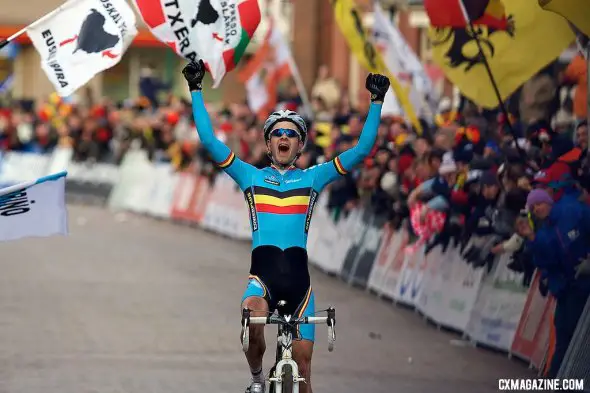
(279, 132)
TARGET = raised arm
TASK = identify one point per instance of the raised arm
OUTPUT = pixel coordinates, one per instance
(226, 159)
(346, 161)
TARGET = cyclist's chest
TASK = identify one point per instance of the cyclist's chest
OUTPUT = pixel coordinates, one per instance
(288, 193)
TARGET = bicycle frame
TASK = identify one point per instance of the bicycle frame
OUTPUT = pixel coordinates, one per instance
(285, 357)
(287, 327)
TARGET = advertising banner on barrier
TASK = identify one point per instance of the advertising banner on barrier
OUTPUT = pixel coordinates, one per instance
(18, 167)
(498, 308)
(132, 191)
(410, 280)
(460, 294)
(162, 191)
(191, 196)
(388, 265)
(226, 211)
(532, 333)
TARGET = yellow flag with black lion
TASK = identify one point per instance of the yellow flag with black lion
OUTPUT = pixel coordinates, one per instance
(518, 39)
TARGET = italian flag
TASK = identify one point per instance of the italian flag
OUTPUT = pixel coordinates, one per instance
(219, 45)
(271, 64)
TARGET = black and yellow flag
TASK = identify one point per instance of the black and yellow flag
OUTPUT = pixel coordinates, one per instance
(350, 23)
(531, 39)
(575, 11)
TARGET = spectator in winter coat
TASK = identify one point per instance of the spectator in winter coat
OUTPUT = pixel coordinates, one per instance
(561, 251)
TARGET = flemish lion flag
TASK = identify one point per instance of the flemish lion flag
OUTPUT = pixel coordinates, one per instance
(216, 31)
(350, 22)
(531, 40)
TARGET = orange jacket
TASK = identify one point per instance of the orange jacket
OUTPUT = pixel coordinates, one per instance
(577, 72)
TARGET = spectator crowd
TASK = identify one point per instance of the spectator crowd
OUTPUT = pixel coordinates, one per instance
(487, 181)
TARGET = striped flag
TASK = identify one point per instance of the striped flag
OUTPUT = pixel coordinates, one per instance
(216, 31)
(270, 65)
(34, 209)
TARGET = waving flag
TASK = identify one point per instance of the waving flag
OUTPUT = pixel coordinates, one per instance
(83, 39)
(349, 21)
(216, 31)
(34, 209)
(405, 65)
(532, 34)
(270, 65)
(575, 11)
(449, 13)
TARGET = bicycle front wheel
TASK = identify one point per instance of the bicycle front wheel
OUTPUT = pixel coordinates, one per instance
(287, 385)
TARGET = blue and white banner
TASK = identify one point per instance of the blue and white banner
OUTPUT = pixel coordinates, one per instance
(34, 209)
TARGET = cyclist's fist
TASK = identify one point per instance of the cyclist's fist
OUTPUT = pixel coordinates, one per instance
(193, 73)
(377, 85)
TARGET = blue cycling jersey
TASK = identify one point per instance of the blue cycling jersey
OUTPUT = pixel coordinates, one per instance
(281, 203)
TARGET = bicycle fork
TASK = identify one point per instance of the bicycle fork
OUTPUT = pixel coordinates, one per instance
(278, 375)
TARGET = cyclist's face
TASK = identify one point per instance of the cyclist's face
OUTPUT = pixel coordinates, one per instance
(284, 143)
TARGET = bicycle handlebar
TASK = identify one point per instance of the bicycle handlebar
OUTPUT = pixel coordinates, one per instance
(274, 319)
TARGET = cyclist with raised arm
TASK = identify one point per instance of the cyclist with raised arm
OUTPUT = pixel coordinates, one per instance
(280, 200)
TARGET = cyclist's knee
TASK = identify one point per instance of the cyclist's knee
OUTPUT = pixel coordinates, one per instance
(302, 352)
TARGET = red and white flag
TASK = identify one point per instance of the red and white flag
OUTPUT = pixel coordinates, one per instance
(216, 31)
(81, 39)
(271, 64)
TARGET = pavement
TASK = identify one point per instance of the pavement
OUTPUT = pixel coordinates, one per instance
(129, 304)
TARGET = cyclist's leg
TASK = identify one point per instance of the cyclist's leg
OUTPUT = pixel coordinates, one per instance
(255, 299)
(303, 345)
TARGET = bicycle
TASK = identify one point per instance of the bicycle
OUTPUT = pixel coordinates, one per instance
(284, 375)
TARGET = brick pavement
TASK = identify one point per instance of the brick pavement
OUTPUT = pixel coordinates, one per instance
(144, 306)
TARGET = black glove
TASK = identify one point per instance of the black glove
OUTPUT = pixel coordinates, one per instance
(193, 73)
(377, 85)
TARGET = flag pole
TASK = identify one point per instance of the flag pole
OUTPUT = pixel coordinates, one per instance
(492, 80)
(22, 31)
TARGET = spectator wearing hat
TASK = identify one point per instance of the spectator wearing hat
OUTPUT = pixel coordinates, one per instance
(561, 250)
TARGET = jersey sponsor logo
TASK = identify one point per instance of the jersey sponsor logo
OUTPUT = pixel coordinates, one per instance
(251, 209)
(292, 181)
(272, 180)
(312, 200)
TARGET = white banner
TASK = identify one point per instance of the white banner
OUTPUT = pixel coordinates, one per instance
(33, 209)
(17, 167)
(410, 279)
(498, 308)
(227, 212)
(81, 40)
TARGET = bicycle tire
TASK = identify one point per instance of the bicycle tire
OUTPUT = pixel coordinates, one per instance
(287, 385)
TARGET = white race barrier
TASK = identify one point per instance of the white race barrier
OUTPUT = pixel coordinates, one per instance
(486, 307)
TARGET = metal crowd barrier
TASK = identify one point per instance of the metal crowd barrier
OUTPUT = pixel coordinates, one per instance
(576, 363)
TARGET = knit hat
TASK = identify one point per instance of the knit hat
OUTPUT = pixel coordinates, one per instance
(447, 165)
(489, 178)
(538, 196)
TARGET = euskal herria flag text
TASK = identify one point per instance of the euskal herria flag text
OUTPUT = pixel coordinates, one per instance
(34, 209)
(83, 39)
(216, 31)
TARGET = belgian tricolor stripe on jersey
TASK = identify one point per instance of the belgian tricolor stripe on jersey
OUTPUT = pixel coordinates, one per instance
(294, 201)
(228, 161)
(339, 168)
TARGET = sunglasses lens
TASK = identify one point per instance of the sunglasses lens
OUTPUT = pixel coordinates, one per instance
(284, 131)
